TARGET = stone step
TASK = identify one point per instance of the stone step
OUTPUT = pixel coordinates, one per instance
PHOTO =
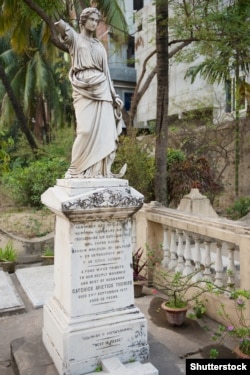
(113, 366)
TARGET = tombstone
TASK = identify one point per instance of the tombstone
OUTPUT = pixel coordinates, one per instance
(91, 317)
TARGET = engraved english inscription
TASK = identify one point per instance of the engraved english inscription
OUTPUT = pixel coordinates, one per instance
(101, 252)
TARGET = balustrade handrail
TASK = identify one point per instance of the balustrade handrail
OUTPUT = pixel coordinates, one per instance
(228, 239)
(197, 223)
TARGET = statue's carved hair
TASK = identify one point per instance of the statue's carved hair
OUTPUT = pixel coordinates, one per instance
(86, 13)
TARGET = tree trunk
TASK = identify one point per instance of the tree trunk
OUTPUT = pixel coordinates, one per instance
(162, 101)
(18, 110)
(237, 128)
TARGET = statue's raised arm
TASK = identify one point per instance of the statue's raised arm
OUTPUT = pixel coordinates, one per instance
(97, 106)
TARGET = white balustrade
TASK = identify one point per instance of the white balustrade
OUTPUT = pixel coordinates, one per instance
(231, 270)
(207, 276)
(180, 252)
(189, 268)
(165, 247)
(194, 243)
(173, 261)
(197, 259)
(219, 266)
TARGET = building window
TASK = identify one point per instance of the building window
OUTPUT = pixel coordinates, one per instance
(131, 52)
(127, 100)
(138, 4)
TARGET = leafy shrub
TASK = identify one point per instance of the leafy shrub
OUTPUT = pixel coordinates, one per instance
(140, 169)
(183, 173)
(8, 254)
(27, 184)
(30, 177)
(5, 143)
(240, 208)
(174, 156)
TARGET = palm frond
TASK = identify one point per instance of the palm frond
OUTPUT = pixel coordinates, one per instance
(29, 85)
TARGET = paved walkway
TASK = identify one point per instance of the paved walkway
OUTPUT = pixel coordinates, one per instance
(29, 288)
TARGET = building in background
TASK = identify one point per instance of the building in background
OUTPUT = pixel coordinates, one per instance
(121, 55)
(184, 98)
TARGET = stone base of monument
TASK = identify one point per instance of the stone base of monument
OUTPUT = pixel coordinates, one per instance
(113, 366)
(91, 316)
(80, 343)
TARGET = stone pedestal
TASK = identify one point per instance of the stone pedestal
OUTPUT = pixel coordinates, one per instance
(91, 315)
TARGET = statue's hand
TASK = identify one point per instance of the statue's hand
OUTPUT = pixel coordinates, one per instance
(119, 102)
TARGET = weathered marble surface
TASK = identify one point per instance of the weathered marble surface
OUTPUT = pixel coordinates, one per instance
(92, 314)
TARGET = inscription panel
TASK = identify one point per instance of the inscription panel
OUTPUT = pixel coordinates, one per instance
(111, 339)
(102, 277)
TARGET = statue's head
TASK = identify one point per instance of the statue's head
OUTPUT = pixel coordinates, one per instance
(86, 13)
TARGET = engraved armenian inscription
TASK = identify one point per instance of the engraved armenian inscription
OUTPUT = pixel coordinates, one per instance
(132, 336)
(101, 252)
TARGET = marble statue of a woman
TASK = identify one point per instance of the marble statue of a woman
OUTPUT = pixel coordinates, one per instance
(94, 99)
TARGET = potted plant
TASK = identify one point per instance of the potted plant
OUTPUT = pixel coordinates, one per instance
(181, 291)
(241, 330)
(139, 272)
(48, 256)
(8, 258)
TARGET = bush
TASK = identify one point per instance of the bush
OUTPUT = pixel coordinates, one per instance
(240, 208)
(193, 171)
(28, 177)
(140, 170)
(27, 184)
(5, 143)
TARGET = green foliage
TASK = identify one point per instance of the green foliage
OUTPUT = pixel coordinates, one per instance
(27, 184)
(213, 353)
(48, 252)
(240, 208)
(183, 172)
(175, 156)
(29, 177)
(140, 170)
(241, 329)
(8, 254)
(177, 287)
(199, 310)
(5, 143)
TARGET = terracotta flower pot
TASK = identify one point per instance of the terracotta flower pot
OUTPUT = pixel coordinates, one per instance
(175, 316)
(8, 266)
(239, 353)
(138, 286)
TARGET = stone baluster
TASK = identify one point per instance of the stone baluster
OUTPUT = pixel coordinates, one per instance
(218, 266)
(207, 261)
(231, 266)
(187, 255)
(180, 252)
(173, 261)
(197, 259)
(165, 247)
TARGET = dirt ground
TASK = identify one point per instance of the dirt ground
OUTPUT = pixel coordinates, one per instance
(22, 221)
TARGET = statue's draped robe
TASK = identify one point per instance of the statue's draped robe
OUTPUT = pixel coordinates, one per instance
(97, 134)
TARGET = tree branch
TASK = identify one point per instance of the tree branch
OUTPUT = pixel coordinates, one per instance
(54, 34)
